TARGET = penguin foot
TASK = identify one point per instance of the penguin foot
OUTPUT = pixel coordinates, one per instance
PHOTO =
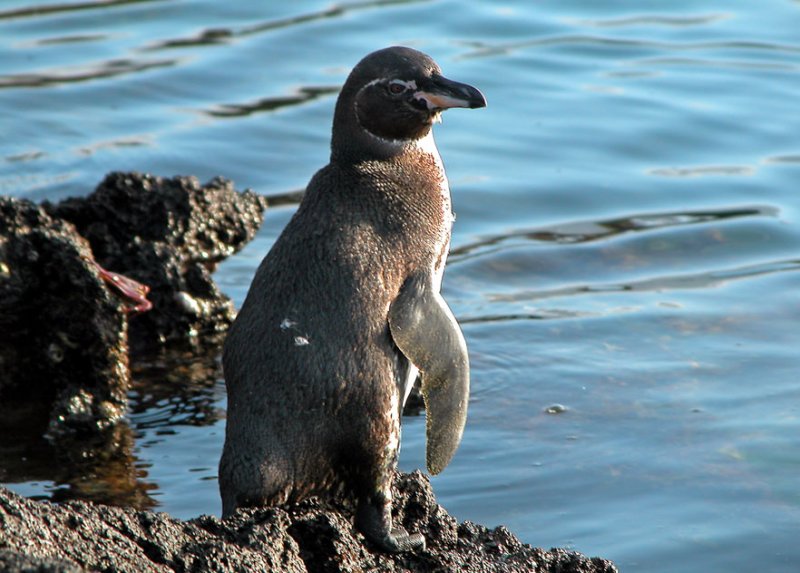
(375, 523)
(400, 540)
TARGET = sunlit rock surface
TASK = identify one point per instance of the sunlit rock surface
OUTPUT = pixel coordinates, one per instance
(308, 537)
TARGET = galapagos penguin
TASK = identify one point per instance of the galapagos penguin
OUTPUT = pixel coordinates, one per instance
(345, 310)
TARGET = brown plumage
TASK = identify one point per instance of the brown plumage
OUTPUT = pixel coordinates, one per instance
(328, 340)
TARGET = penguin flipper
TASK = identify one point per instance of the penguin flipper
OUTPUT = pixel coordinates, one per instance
(426, 332)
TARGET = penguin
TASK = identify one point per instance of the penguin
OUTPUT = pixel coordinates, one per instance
(345, 310)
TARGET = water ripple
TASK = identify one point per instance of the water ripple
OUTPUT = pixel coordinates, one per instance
(493, 50)
(134, 141)
(105, 69)
(74, 39)
(655, 20)
(287, 198)
(25, 156)
(302, 95)
(704, 171)
(540, 314)
(216, 36)
(701, 280)
(45, 9)
(783, 159)
(587, 231)
(707, 63)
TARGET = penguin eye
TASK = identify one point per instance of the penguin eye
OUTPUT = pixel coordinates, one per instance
(397, 88)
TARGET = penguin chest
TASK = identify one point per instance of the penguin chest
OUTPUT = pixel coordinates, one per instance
(444, 223)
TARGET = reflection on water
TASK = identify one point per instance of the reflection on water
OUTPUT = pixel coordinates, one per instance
(638, 45)
(55, 8)
(177, 390)
(703, 170)
(709, 279)
(222, 35)
(656, 20)
(108, 69)
(586, 231)
(303, 95)
(626, 245)
(103, 469)
(783, 159)
(168, 391)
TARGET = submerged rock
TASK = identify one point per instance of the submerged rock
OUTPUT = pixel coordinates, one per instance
(308, 537)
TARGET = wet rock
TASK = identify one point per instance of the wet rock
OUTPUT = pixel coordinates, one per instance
(70, 316)
(63, 333)
(308, 537)
(169, 234)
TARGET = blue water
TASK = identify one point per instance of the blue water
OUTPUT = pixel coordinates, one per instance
(625, 254)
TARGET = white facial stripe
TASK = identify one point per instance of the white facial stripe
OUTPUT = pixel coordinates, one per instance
(409, 85)
(372, 83)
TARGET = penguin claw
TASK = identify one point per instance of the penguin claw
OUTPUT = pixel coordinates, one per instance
(374, 520)
(375, 523)
(400, 540)
(405, 541)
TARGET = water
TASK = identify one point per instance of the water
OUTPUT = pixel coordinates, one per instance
(625, 259)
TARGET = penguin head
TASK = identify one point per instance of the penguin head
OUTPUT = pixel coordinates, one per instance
(392, 98)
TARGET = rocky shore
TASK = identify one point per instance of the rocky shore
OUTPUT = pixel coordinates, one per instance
(99, 289)
(87, 281)
(79, 536)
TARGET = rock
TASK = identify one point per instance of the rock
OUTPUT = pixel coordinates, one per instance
(70, 313)
(169, 234)
(10, 561)
(63, 333)
(307, 537)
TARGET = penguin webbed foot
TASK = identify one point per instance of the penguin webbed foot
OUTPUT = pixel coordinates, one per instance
(375, 524)
(400, 540)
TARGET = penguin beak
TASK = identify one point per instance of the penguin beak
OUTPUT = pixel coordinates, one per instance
(440, 94)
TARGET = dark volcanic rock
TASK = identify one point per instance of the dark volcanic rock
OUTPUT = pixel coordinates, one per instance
(168, 234)
(303, 538)
(63, 342)
(64, 326)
